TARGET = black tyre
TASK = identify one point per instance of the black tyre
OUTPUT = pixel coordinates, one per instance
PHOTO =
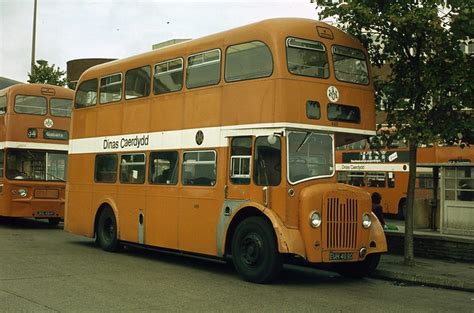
(107, 230)
(254, 251)
(54, 221)
(359, 269)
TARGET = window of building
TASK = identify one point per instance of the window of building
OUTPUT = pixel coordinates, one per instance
(164, 168)
(3, 104)
(132, 168)
(137, 82)
(199, 168)
(31, 105)
(105, 168)
(307, 58)
(350, 65)
(267, 161)
(343, 113)
(111, 88)
(168, 76)
(204, 69)
(240, 159)
(248, 61)
(60, 107)
(86, 94)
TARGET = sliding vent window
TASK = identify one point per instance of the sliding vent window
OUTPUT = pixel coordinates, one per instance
(204, 69)
(307, 58)
(137, 83)
(111, 88)
(241, 156)
(248, 61)
(350, 65)
(31, 105)
(86, 94)
(60, 107)
(168, 76)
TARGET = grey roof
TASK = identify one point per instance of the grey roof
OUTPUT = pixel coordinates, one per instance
(6, 82)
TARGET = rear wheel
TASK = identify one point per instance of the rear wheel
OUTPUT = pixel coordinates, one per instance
(254, 251)
(107, 230)
(54, 221)
(359, 269)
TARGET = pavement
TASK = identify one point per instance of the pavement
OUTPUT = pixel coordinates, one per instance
(430, 272)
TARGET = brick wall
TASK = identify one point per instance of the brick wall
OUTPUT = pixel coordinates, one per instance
(433, 247)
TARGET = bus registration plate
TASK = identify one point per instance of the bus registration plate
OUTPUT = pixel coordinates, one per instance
(340, 256)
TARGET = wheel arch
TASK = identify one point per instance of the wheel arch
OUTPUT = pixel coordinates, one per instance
(289, 241)
(99, 210)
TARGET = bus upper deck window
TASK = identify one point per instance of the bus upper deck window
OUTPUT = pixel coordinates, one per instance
(307, 58)
(350, 65)
(31, 105)
(137, 83)
(3, 104)
(343, 113)
(248, 61)
(111, 88)
(168, 76)
(204, 69)
(86, 94)
(60, 107)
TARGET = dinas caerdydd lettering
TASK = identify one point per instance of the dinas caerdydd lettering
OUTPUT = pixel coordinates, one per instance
(124, 142)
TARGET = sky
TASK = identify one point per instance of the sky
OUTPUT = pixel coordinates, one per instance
(76, 29)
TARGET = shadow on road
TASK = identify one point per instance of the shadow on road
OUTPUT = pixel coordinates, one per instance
(290, 275)
(27, 223)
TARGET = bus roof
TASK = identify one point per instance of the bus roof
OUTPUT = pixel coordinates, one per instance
(39, 90)
(265, 28)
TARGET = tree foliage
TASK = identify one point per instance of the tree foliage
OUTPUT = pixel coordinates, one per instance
(45, 74)
(429, 92)
(431, 79)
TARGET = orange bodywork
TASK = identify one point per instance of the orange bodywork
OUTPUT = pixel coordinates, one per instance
(44, 199)
(201, 219)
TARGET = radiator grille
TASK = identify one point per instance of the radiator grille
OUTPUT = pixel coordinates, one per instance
(341, 223)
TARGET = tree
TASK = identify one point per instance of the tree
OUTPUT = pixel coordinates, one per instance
(431, 81)
(44, 74)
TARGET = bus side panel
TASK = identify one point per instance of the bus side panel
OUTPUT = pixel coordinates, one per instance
(202, 108)
(131, 201)
(248, 102)
(79, 213)
(109, 119)
(136, 116)
(162, 111)
(161, 219)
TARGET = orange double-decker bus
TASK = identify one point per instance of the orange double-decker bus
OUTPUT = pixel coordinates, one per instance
(224, 146)
(34, 138)
(386, 171)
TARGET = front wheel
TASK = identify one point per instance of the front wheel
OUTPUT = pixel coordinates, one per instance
(54, 221)
(359, 269)
(107, 230)
(254, 251)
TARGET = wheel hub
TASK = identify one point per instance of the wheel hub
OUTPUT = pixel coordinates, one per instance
(251, 249)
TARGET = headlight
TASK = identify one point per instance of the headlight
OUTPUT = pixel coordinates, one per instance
(22, 192)
(315, 219)
(366, 220)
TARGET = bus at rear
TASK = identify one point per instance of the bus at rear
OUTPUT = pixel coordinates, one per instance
(34, 139)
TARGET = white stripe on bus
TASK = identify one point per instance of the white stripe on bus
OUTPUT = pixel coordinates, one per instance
(373, 167)
(214, 137)
(33, 145)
